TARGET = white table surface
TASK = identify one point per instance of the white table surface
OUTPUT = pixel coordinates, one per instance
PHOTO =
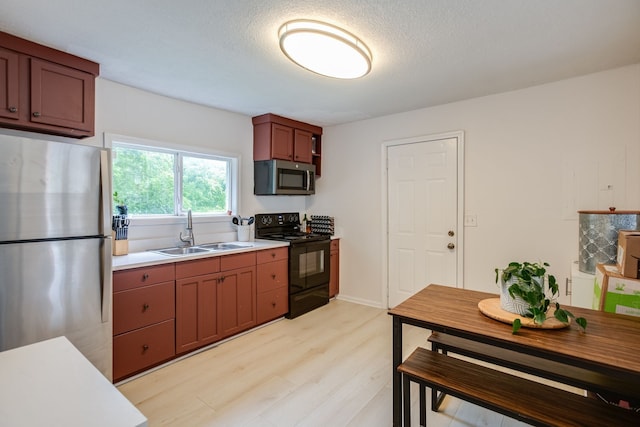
(51, 383)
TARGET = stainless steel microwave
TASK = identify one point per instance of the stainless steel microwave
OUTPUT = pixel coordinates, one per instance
(280, 177)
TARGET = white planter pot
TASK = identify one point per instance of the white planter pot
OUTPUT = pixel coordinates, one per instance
(513, 305)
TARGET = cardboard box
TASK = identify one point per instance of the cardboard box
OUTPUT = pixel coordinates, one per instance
(628, 259)
(614, 293)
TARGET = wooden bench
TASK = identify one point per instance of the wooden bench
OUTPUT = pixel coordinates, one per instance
(619, 388)
(513, 396)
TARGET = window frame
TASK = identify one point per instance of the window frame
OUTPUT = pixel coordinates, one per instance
(180, 151)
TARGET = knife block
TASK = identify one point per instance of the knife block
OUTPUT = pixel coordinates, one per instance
(120, 247)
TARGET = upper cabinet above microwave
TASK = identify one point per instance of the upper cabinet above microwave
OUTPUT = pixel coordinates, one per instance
(276, 137)
(45, 90)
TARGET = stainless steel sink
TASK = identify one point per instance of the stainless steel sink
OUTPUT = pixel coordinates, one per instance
(207, 247)
(223, 246)
(181, 250)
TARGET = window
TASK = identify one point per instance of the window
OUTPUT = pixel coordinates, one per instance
(158, 180)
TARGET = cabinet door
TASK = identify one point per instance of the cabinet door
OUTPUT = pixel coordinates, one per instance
(281, 142)
(334, 277)
(237, 301)
(143, 276)
(61, 96)
(136, 308)
(140, 349)
(270, 255)
(9, 84)
(196, 312)
(302, 146)
(273, 275)
(272, 304)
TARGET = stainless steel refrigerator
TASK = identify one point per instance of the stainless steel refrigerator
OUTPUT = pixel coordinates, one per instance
(55, 246)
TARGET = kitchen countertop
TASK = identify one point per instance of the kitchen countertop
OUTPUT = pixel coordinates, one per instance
(51, 383)
(146, 258)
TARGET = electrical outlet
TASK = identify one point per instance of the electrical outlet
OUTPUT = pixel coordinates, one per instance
(470, 221)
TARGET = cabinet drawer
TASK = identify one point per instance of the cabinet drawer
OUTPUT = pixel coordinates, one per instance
(269, 255)
(273, 275)
(143, 276)
(145, 306)
(272, 304)
(232, 262)
(143, 348)
(197, 267)
(335, 245)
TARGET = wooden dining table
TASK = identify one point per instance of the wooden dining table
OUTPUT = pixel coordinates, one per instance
(610, 345)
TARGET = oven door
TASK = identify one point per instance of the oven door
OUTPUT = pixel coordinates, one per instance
(308, 265)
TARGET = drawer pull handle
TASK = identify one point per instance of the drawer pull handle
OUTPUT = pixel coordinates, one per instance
(145, 276)
(273, 254)
(273, 276)
(145, 347)
(36, 114)
(273, 304)
(145, 307)
(13, 109)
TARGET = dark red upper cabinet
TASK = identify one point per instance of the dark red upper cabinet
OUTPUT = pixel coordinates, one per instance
(46, 90)
(276, 137)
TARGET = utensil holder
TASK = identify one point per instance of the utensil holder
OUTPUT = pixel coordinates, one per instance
(244, 232)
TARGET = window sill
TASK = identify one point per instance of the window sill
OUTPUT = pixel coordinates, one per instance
(176, 220)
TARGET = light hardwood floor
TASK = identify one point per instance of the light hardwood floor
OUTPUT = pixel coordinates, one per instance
(330, 367)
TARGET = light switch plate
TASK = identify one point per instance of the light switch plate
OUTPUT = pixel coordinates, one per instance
(470, 220)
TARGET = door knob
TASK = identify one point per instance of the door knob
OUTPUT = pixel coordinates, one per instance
(451, 233)
(451, 246)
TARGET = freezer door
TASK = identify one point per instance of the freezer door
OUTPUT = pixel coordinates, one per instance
(54, 288)
(48, 189)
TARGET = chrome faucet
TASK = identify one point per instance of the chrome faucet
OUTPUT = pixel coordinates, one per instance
(189, 238)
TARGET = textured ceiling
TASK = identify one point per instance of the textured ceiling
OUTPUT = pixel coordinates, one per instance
(225, 53)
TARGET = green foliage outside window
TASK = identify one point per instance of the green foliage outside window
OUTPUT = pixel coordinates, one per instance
(145, 181)
(204, 185)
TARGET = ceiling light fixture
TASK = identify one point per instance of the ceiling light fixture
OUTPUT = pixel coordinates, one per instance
(325, 49)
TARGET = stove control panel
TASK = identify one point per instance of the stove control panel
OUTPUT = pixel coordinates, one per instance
(277, 220)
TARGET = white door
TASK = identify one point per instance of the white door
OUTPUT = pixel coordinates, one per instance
(422, 187)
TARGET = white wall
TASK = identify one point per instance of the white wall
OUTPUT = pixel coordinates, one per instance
(533, 157)
(557, 145)
(132, 112)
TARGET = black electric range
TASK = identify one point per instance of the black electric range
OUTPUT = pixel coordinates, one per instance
(308, 260)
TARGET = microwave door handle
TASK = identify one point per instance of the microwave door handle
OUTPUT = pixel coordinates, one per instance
(308, 180)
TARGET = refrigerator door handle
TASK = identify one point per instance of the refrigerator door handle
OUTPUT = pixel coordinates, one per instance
(105, 193)
(106, 279)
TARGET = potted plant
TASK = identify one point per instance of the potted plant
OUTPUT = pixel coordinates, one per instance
(121, 205)
(524, 292)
